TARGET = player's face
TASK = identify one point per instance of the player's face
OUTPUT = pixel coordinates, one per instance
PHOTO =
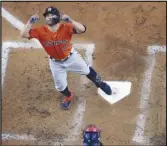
(49, 18)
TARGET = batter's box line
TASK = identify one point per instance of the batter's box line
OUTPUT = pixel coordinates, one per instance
(8, 46)
(155, 49)
(139, 135)
(78, 116)
(10, 136)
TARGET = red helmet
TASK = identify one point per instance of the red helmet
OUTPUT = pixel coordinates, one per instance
(92, 128)
(91, 135)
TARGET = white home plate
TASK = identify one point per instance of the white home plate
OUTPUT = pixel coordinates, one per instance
(123, 90)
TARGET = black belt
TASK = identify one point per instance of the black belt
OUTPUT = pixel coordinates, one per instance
(62, 60)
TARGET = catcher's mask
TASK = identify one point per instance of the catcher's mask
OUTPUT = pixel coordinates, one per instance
(56, 15)
(91, 135)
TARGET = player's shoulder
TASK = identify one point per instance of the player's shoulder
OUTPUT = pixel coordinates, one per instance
(40, 28)
(67, 24)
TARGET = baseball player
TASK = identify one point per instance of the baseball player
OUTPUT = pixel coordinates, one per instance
(55, 37)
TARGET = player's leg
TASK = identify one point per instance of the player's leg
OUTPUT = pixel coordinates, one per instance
(60, 80)
(76, 64)
(96, 79)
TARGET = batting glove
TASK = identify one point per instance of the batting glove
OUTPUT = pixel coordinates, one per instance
(34, 19)
(66, 18)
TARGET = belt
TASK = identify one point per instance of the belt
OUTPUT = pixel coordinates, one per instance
(61, 60)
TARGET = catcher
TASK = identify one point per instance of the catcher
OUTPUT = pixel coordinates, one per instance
(91, 136)
(55, 37)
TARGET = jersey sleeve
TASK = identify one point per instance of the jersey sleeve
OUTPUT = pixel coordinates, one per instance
(72, 30)
(34, 33)
(70, 27)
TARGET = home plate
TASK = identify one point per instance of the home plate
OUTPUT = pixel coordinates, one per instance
(123, 90)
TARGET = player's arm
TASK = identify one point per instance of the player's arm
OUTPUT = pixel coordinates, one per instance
(77, 27)
(25, 32)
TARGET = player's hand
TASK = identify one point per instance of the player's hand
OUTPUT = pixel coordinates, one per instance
(66, 18)
(34, 18)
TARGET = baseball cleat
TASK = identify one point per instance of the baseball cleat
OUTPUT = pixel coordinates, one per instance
(67, 102)
(106, 88)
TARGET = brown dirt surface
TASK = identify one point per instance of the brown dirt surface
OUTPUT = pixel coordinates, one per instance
(121, 32)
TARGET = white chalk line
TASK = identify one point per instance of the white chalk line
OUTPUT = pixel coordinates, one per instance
(24, 137)
(144, 95)
(156, 49)
(11, 19)
(74, 133)
(7, 46)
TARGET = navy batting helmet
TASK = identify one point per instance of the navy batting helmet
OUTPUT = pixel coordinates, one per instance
(51, 10)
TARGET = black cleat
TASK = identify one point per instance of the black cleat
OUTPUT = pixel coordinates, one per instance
(106, 88)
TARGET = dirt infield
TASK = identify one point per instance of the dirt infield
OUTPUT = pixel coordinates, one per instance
(121, 32)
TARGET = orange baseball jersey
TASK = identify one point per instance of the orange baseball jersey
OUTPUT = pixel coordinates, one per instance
(56, 44)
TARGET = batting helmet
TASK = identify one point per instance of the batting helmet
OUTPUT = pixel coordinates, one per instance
(91, 136)
(51, 10)
(54, 11)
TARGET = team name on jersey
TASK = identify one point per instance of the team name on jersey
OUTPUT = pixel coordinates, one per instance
(56, 43)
